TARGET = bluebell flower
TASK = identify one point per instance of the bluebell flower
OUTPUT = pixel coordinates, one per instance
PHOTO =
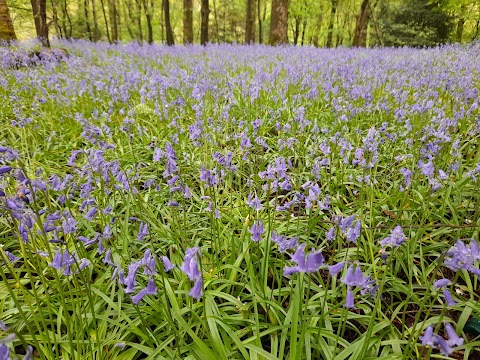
(336, 268)
(463, 257)
(4, 352)
(439, 284)
(167, 265)
(142, 231)
(330, 235)
(257, 230)
(396, 238)
(254, 202)
(448, 298)
(197, 290)
(305, 264)
(349, 300)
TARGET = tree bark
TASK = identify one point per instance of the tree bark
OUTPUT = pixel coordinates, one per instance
(7, 32)
(107, 30)
(168, 26)
(148, 17)
(112, 7)
(361, 26)
(260, 29)
(188, 22)
(58, 29)
(205, 11)
(96, 32)
(87, 20)
(39, 8)
(330, 23)
(250, 22)
(279, 22)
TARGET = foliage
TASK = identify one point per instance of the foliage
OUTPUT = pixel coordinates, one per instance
(211, 202)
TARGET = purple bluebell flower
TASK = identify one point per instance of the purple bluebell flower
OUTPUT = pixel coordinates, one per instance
(427, 169)
(353, 233)
(428, 338)
(336, 268)
(330, 235)
(190, 264)
(346, 223)
(167, 265)
(257, 230)
(91, 213)
(142, 231)
(448, 298)
(463, 257)
(197, 290)
(4, 352)
(439, 284)
(254, 202)
(349, 300)
(453, 338)
(396, 238)
(5, 169)
(305, 264)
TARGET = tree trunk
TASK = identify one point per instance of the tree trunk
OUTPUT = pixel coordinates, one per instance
(7, 32)
(65, 15)
(112, 7)
(87, 21)
(250, 23)
(148, 17)
(188, 22)
(39, 8)
(296, 30)
(168, 26)
(361, 26)
(205, 11)
(107, 30)
(96, 32)
(58, 29)
(260, 29)
(304, 26)
(279, 22)
(330, 23)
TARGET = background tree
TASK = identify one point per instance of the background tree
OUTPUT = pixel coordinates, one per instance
(250, 22)
(205, 12)
(187, 21)
(168, 26)
(361, 27)
(7, 31)
(39, 8)
(279, 22)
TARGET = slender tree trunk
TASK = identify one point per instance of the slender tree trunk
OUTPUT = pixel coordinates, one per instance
(361, 26)
(87, 20)
(58, 29)
(148, 17)
(318, 26)
(107, 30)
(250, 22)
(96, 31)
(260, 29)
(128, 19)
(139, 20)
(216, 34)
(65, 15)
(330, 23)
(304, 27)
(168, 26)
(205, 11)
(7, 32)
(112, 7)
(279, 22)
(39, 8)
(296, 29)
(188, 21)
